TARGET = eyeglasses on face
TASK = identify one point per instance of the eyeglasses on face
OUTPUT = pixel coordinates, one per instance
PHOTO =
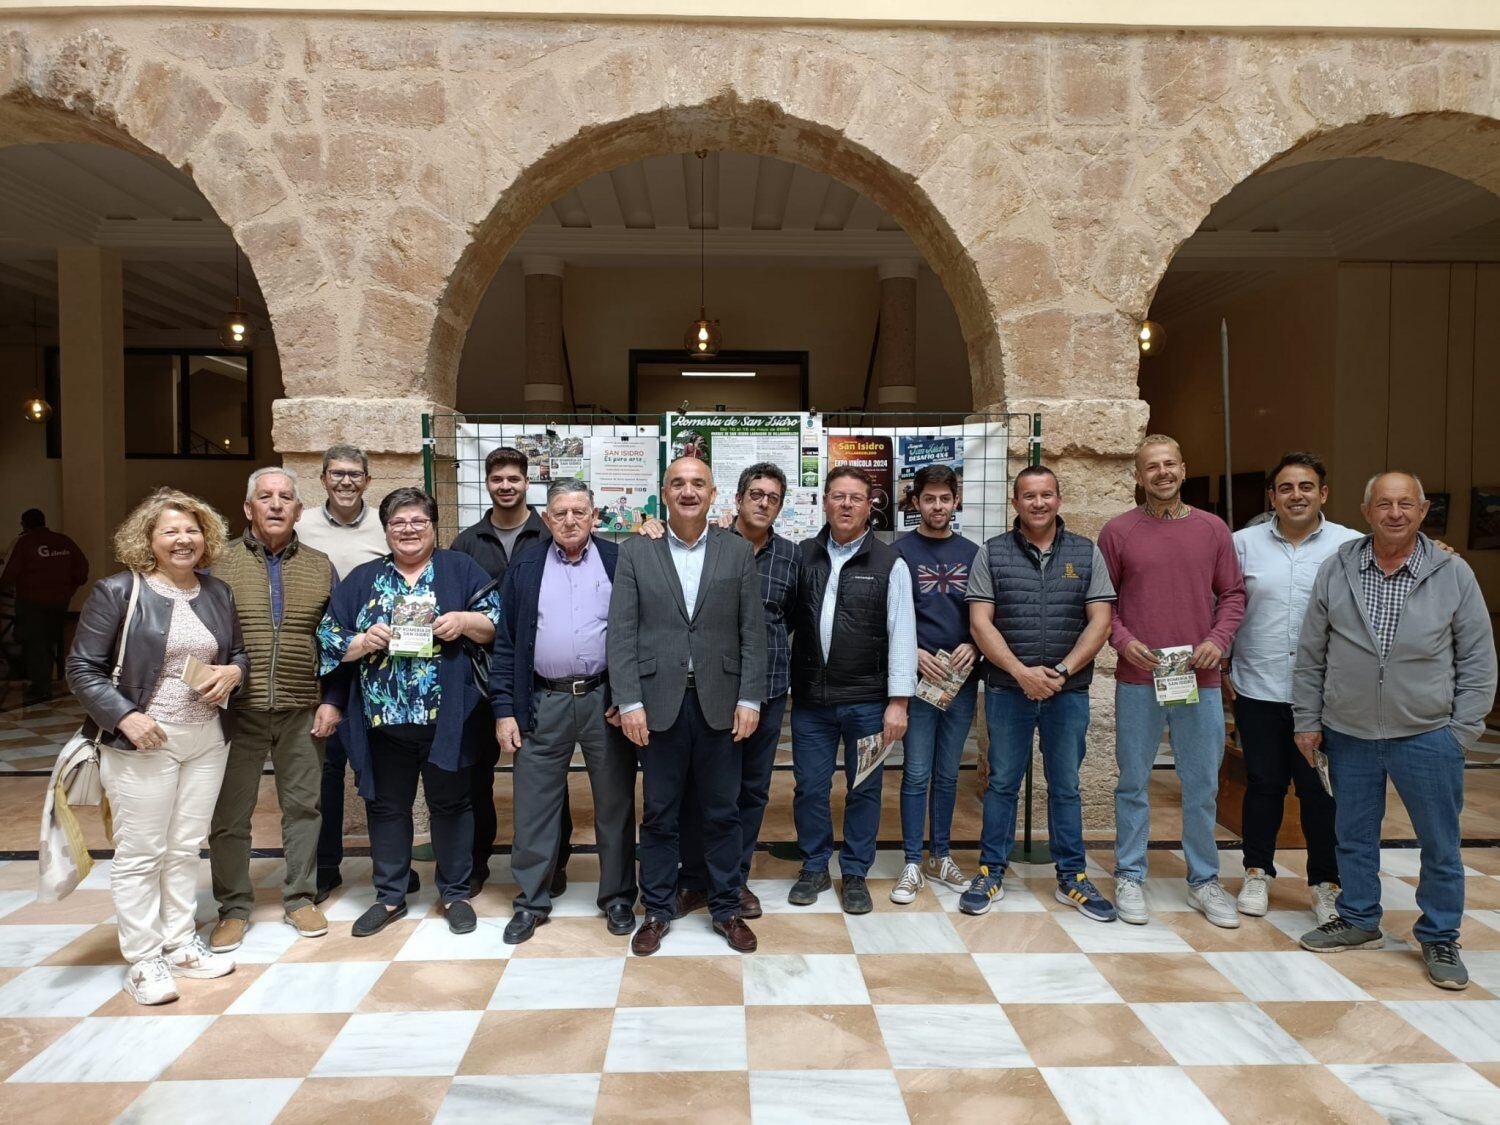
(849, 497)
(756, 495)
(352, 475)
(409, 525)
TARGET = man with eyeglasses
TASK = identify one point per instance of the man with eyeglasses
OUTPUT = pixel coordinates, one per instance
(348, 531)
(854, 670)
(1395, 674)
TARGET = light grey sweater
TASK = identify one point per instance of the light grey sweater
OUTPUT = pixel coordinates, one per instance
(1440, 671)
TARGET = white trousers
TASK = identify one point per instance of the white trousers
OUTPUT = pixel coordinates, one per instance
(162, 801)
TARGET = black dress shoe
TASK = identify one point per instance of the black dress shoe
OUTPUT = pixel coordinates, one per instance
(375, 919)
(475, 886)
(460, 917)
(690, 899)
(559, 882)
(619, 919)
(807, 888)
(522, 926)
(329, 880)
(413, 881)
(856, 896)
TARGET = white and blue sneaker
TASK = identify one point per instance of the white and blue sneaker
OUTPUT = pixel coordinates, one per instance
(985, 889)
(1080, 893)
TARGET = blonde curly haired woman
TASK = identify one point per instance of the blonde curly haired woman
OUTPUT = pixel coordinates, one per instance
(163, 744)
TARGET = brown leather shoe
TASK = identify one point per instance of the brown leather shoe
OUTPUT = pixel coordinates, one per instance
(647, 939)
(749, 904)
(689, 900)
(737, 934)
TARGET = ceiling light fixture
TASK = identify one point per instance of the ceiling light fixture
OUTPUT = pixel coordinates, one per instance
(703, 338)
(36, 409)
(235, 330)
(718, 374)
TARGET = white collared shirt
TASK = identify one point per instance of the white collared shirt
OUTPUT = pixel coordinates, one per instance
(900, 617)
(1278, 582)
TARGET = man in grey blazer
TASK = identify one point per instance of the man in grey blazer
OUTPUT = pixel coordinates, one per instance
(687, 660)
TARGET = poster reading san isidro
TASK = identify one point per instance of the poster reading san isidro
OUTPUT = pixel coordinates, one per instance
(916, 454)
(874, 453)
(732, 443)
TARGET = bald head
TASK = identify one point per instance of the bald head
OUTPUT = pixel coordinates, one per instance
(688, 490)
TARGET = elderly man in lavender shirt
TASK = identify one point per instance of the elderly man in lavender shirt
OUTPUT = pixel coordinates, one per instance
(549, 690)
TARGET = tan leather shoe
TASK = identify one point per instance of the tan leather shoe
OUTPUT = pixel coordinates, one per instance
(228, 934)
(308, 921)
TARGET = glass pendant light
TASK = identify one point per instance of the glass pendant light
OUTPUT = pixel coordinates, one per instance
(36, 409)
(703, 338)
(235, 330)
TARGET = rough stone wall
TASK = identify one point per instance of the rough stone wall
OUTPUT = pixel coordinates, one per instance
(376, 170)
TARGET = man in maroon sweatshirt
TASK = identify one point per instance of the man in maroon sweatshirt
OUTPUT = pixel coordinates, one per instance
(44, 569)
(1179, 584)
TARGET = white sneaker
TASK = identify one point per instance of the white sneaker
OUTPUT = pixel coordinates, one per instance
(1255, 894)
(944, 870)
(150, 982)
(1214, 901)
(1325, 897)
(906, 888)
(196, 960)
(1130, 902)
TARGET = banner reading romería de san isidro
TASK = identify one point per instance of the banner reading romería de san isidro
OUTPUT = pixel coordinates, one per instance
(732, 443)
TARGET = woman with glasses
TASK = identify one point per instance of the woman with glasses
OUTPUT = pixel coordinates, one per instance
(414, 706)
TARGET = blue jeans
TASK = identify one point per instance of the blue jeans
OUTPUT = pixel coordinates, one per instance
(1197, 732)
(933, 745)
(1428, 772)
(816, 732)
(1012, 719)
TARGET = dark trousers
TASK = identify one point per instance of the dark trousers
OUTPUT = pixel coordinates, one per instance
(564, 721)
(482, 798)
(331, 831)
(690, 752)
(759, 756)
(39, 631)
(1273, 762)
(398, 756)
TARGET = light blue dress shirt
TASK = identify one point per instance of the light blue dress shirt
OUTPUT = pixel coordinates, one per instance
(1278, 581)
(900, 618)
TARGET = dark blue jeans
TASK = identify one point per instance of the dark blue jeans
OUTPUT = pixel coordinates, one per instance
(1428, 772)
(933, 745)
(1013, 720)
(331, 830)
(816, 732)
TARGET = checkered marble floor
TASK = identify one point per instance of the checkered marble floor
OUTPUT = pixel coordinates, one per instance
(912, 1013)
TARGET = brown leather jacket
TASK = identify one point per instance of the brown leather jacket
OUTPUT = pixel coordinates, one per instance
(97, 639)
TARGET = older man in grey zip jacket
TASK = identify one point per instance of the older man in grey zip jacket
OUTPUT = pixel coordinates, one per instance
(1395, 673)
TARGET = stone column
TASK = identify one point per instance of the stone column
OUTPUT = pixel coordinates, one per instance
(91, 332)
(546, 369)
(896, 350)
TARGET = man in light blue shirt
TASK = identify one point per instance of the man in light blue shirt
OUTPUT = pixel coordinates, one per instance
(1280, 558)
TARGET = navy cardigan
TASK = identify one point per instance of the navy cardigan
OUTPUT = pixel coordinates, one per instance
(513, 657)
(456, 579)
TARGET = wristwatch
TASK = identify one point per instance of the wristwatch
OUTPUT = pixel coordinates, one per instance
(1061, 668)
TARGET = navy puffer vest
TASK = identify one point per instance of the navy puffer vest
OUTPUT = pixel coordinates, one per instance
(1040, 614)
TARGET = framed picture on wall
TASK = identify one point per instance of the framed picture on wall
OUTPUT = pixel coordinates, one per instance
(1435, 526)
(1484, 519)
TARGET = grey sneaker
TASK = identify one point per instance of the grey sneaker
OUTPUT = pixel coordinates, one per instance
(1444, 966)
(1130, 901)
(1338, 935)
(1214, 902)
(1255, 894)
(906, 888)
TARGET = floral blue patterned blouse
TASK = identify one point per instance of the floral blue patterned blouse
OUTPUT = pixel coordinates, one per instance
(396, 689)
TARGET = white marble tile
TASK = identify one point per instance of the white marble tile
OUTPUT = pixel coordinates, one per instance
(649, 1040)
(1425, 1094)
(537, 983)
(694, 936)
(1130, 1095)
(355, 899)
(827, 978)
(264, 942)
(61, 990)
(14, 900)
(1408, 862)
(971, 1036)
(772, 894)
(1045, 978)
(1470, 1030)
(24, 946)
(1166, 895)
(329, 986)
(1397, 895)
(1221, 1034)
(433, 941)
(241, 1101)
(910, 932)
(1118, 937)
(1295, 923)
(399, 1043)
(1286, 976)
(538, 1099)
(118, 1049)
(1484, 968)
(1490, 918)
(580, 900)
(829, 1097)
(98, 877)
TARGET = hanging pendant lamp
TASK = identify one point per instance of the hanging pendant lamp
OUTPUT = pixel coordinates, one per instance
(235, 330)
(703, 338)
(36, 409)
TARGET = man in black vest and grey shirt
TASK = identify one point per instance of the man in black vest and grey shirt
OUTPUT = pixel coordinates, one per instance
(854, 668)
(1039, 609)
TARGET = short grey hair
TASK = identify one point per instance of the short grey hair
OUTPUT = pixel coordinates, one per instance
(270, 471)
(1370, 484)
(345, 453)
(565, 486)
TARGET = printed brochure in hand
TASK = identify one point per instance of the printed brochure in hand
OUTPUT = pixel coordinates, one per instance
(411, 625)
(941, 693)
(1176, 682)
(873, 750)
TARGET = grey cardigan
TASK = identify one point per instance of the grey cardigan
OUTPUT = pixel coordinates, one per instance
(1439, 673)
(92, 658)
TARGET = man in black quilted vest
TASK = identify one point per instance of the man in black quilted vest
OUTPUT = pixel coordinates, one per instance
(854, 668)
(1039, 609)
